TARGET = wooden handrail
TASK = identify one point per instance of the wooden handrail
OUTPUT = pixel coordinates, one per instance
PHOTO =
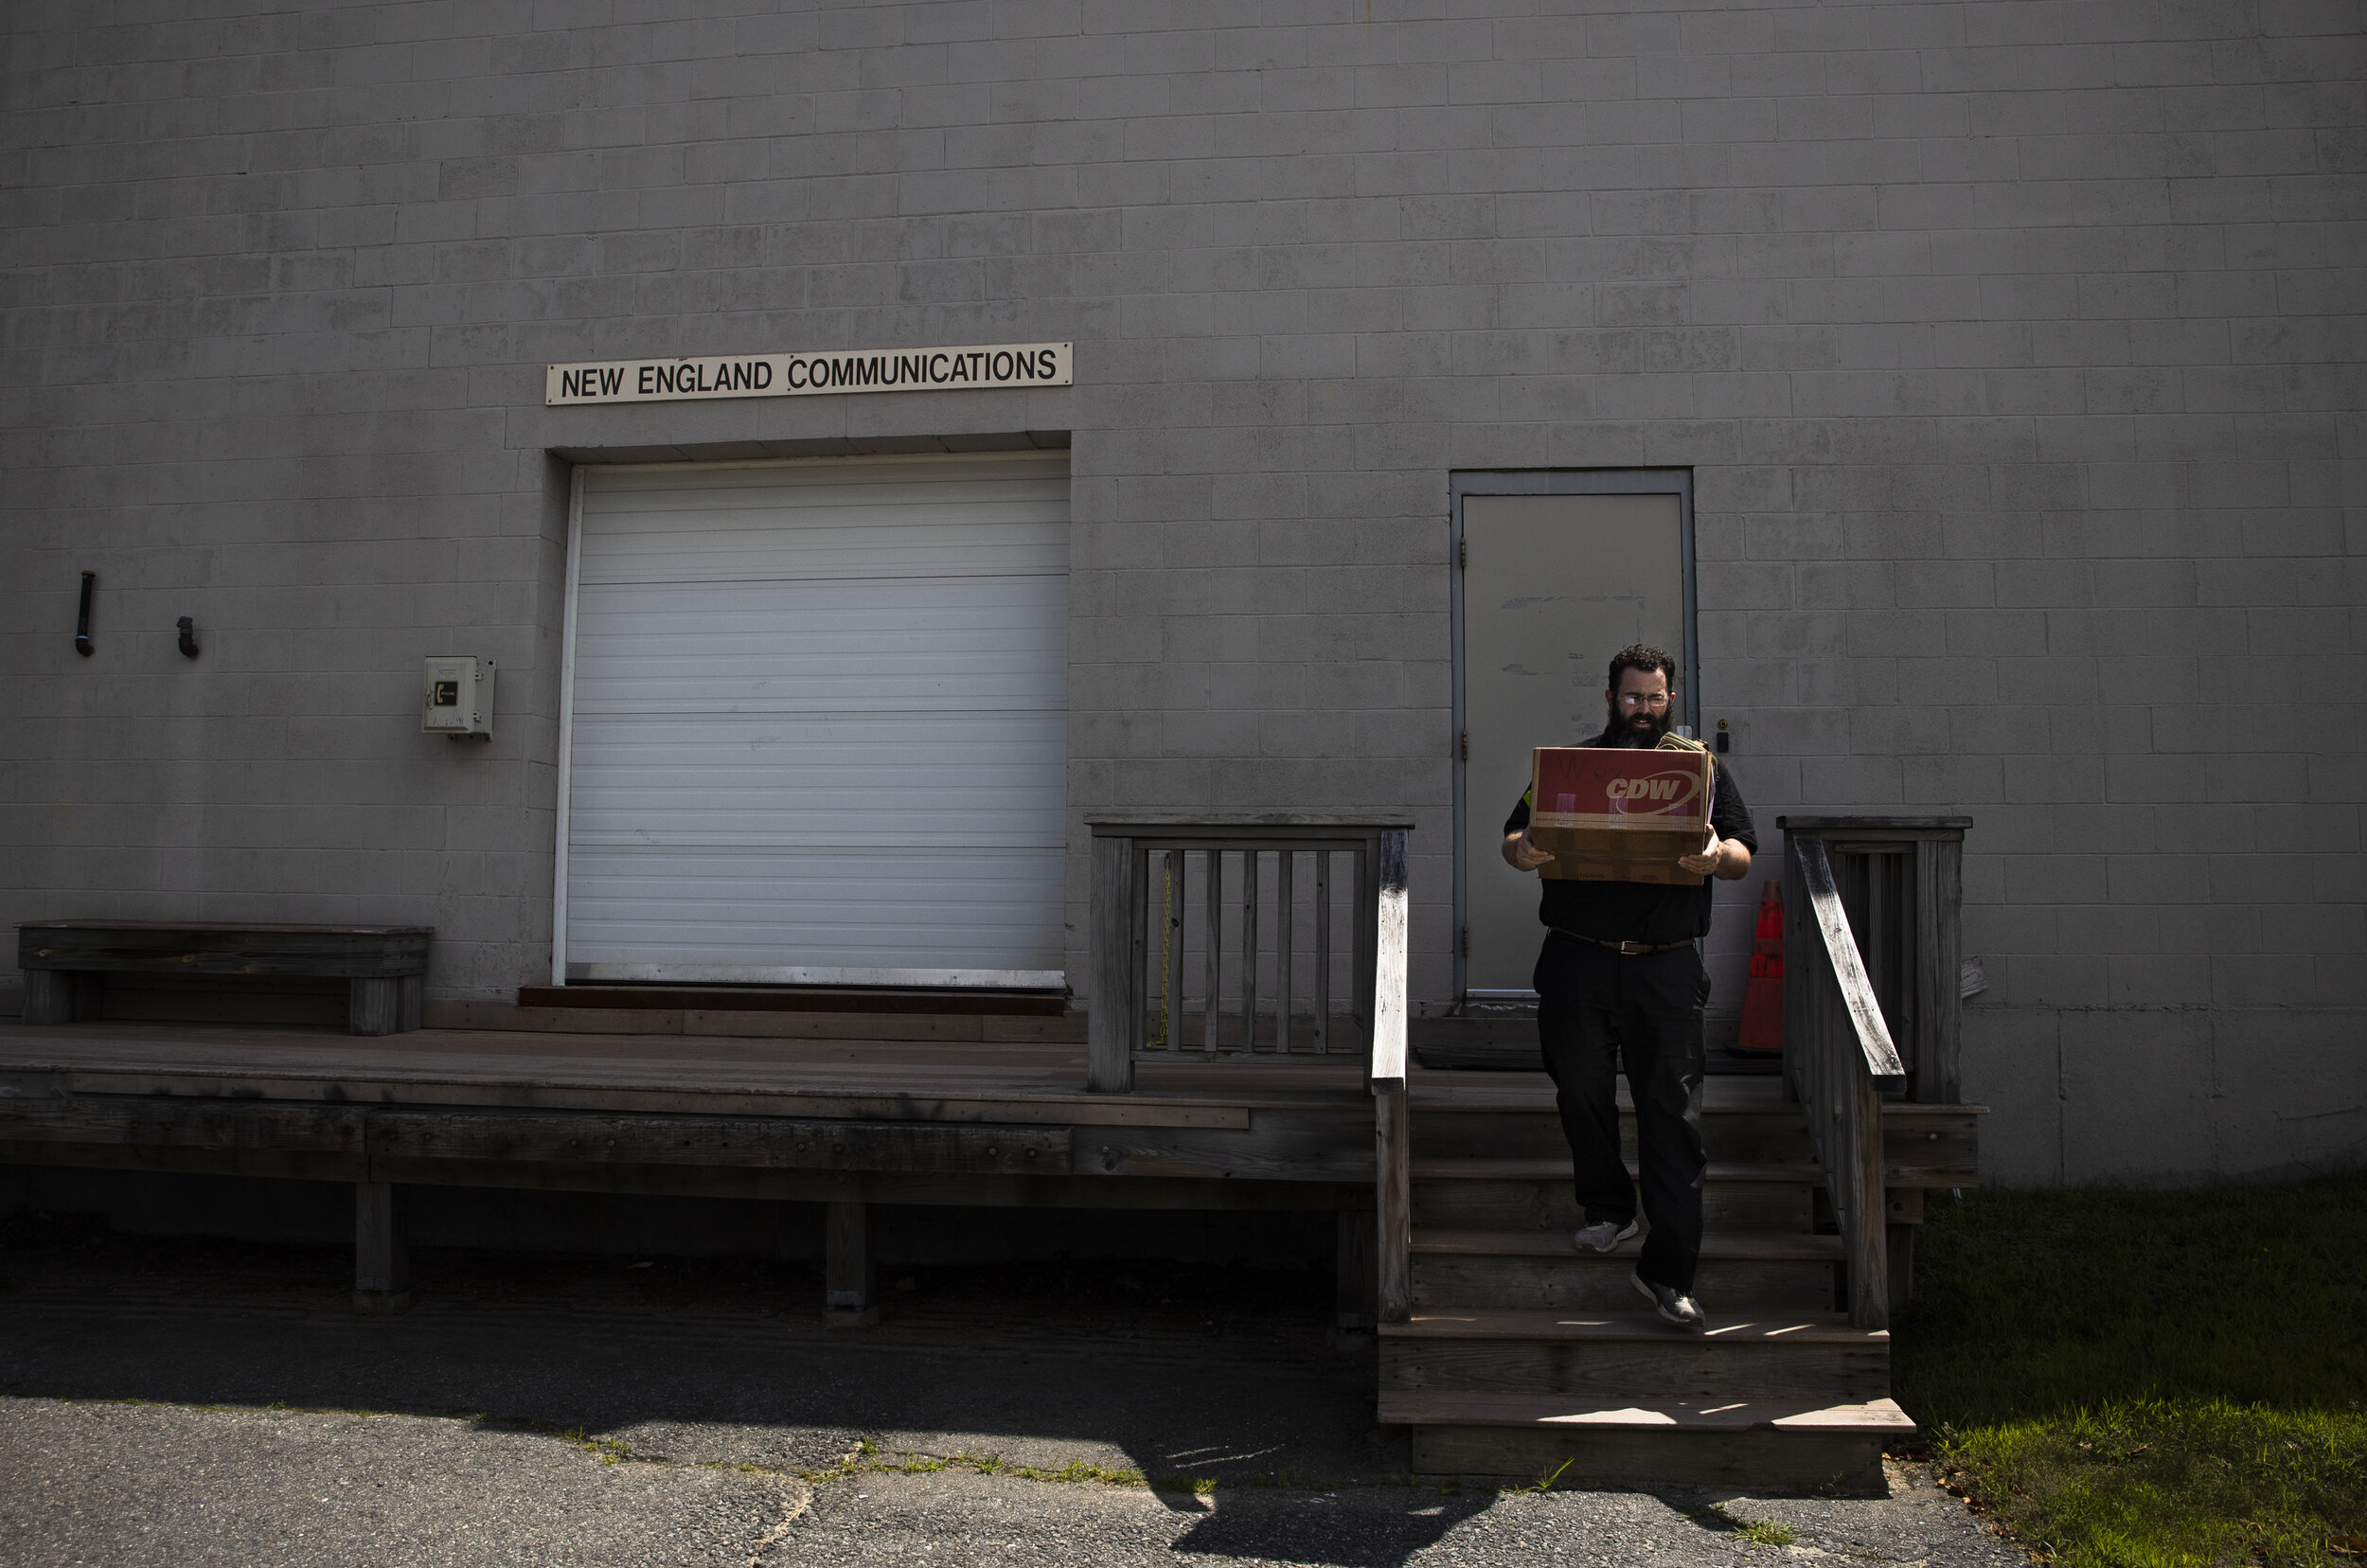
(1871, 1010)
(1385, 1072)
(1130, 903)
(1839, 1054)
(1901, 882)
(1872, 1036)
(1384, 1076)
(1248, 871)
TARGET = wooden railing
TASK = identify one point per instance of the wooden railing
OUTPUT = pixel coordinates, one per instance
(1850, 974)
(1901, 882)
(1220, 939)
(1161, 887)
(1384, 1074)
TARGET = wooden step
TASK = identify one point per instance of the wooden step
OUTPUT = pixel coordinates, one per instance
(1755, 1246)
(1880, 1417)
(1764, 1133)
(1536, 1194)
(1617, 1359)
(1743, 1121)
(1740, 1275)
(1625, 1327)
(1532, 1168)
(1550, 1206)
(1920, 1151)
(1763, 1444)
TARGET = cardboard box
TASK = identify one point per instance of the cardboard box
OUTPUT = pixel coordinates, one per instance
(1620, 816)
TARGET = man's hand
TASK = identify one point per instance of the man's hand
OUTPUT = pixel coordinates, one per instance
(1722, 857)
(1521, 855)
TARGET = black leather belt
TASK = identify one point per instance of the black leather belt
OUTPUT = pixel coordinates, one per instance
(1631, 950)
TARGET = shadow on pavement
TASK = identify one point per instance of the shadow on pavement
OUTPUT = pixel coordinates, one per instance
(1161, 1368)
(1370, 1531)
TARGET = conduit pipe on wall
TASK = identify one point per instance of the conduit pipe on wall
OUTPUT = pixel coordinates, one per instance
(82, 621)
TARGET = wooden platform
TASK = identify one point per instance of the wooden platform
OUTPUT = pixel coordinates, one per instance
(961, 1068)
(1521, 1355)
(688, 1114)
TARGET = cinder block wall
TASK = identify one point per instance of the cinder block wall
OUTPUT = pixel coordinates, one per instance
(2014, 348)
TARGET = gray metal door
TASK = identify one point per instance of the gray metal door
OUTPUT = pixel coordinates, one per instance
(1552, 586)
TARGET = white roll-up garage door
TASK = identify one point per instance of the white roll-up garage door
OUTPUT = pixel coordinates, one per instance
(818, 723)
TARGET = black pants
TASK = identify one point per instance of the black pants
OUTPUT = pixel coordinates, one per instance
(1593, 1006)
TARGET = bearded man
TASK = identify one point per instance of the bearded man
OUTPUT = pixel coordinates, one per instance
(1620, 979)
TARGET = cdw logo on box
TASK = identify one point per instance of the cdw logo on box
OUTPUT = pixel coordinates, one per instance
(1644, 788)
(1609, 815)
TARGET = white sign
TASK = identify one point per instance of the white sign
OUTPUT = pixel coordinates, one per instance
(805, 375)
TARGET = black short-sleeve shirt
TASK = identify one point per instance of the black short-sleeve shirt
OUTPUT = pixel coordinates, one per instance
(1655, 912)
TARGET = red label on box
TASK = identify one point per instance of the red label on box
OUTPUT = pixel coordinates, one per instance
(1578, 787)
(1620, 816)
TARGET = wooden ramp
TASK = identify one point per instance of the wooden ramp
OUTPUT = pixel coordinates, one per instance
(1525, 1357)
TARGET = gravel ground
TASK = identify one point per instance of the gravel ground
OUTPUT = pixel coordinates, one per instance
(955, 1520)
(136, 1485)
(176, 1402)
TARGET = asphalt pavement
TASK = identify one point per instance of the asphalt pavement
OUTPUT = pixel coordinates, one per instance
(196, 1402)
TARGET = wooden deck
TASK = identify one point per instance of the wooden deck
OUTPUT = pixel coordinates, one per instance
(723, 1114)
(831, 1067)
(949, 1079)
(787, 1116)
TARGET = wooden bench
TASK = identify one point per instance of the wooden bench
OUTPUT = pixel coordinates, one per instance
(66, 963)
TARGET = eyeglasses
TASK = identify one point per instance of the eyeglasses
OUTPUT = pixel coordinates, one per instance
(1641, 699)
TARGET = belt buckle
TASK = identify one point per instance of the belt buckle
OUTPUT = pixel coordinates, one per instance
(1631, 950)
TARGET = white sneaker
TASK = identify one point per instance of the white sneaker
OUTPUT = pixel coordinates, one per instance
(1602, 1235)
(1673, 1306)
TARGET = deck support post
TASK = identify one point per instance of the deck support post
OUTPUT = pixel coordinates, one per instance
(383, 1005)
(49, 996)
(1902, 1266)
(381, 1248)
(1115, 1014)
(1393, 1228)
(1356, 1294)
(64, 996)
(850, 1293)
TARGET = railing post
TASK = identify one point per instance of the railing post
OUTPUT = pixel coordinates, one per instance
(1393, 1202)
(1322, 950)
(1387, 998)
(1355, 1289)
(1115, 1017)
(382, 1247)
(1393, 1172)
(1939, 956)
(1138, 952)
(1849, 1058)
(1366, 931)
(1865, 1229)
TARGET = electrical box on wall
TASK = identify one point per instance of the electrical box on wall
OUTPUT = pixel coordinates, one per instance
(459, 696)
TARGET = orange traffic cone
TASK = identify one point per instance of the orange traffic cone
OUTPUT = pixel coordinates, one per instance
(1763, 998)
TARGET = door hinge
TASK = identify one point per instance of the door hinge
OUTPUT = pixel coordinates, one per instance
(1462, 553)
(1466, 941)
(1463, 746)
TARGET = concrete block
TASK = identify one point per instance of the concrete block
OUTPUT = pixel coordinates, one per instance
(2012, 1063)
(2134, 1083)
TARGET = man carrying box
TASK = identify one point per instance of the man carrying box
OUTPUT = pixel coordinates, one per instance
(1619, 977)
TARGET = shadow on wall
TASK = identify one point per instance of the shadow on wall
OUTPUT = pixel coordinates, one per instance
(2156, 1097)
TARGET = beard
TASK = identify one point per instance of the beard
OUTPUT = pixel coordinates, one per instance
(1640, 729)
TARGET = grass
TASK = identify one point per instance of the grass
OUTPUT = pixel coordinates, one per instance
(1767, 1532)
(2151, 1379)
